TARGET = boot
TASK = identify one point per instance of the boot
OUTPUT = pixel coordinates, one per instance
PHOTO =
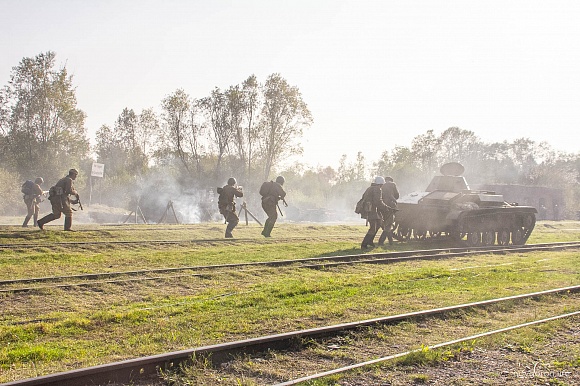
(390, 236)
(383, 238)
(68, 224)
(268, 226)
(44, 220)
(35, 219)
(25, 223)
(367, 242)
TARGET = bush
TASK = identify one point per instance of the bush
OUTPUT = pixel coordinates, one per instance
(11, 203)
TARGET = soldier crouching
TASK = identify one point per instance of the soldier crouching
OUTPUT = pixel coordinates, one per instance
(60, 200)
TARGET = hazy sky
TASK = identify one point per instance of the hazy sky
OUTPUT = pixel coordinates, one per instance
(374, 74)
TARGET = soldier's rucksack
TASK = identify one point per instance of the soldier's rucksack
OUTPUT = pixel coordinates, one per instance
(363, 207)
(27, 187)
(265, 188)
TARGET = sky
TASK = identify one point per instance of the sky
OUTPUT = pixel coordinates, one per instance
(374, 74)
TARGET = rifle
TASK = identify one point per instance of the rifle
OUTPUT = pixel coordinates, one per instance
(285, 204)
(77, 201)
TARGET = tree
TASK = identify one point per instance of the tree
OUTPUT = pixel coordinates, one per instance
(425, 149)
(44, 129)
(220, 120)
(148, 131)
(250, 135)
(283, 118)
(457, 145)
(176, 108)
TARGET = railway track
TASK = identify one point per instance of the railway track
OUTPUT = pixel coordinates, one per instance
(83, 244)
(139, 370)
(68, 281)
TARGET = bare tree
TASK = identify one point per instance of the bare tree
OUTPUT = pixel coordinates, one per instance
(218, 114)
(148, 131)
(251, 99)
(284, 116)
(176, 108)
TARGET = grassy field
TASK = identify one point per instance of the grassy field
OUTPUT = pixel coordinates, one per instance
(57, 329)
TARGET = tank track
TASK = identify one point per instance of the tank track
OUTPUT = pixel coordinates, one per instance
(477, 230)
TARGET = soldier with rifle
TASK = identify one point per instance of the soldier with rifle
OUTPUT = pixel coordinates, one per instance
(271, 193)
(59, 197)
(374, 208)
(32, 198)
(227, 205)
(390, 197)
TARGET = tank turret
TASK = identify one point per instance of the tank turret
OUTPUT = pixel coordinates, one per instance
(448, 207)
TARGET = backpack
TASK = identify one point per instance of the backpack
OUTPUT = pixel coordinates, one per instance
(363, 207)
(27, 187)
(265, 189)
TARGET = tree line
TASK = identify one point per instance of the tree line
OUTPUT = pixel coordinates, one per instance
(245, 130)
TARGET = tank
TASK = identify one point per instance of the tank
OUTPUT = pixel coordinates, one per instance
(448, 208)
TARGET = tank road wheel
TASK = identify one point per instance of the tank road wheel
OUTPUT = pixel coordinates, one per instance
(403, 234)
(488, 238)
(434, 234)
(419, 235)
(518, 237)
(503, 237)
(474, 239)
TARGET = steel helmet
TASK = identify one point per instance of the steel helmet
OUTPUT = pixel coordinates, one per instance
(231, 181)
(379, 180)
(73, 171)
(280, 180)
(38, 181)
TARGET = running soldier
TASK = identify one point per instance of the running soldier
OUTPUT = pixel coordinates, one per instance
(59, 198)
(227, 205)
(375, 207)
(390, 197)
(271, 193)
(32, 198)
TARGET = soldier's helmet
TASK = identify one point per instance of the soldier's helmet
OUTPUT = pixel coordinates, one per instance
(231, 181)
(38, 181)
(73, 171)
(379, 180)
(280, 180)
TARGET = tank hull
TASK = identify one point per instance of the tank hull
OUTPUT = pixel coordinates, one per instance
(482, 226)
(449, 208)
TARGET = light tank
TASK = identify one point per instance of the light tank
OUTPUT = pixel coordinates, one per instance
(473, 217)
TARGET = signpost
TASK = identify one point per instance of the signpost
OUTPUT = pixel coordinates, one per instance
(98, 170)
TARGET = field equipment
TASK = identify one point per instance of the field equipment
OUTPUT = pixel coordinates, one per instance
(473, 217)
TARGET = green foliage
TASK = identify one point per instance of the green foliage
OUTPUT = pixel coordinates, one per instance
(11, 202)
(44, 130)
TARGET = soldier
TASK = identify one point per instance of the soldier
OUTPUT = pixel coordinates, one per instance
(373, 200)
(60, 201)
(390, 197)
(32, 193)
(271, 193)
(227, 205)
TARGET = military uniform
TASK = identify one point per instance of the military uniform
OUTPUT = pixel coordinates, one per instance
(373, 195)
(271, 192)
(32, 201)
(227, 206)
(390, 197)
(59, 197)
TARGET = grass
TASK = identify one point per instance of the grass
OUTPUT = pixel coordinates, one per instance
(59, 329)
